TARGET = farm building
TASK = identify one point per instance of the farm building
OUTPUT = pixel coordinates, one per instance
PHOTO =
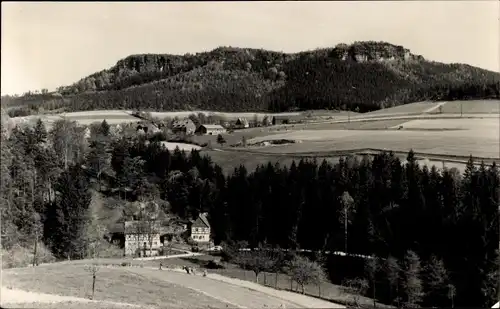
(138, 237)
(241, 123)
(144, 128)
(186, 126)
(210, 129)
(200, 229)
(287, 119)
(267, 120)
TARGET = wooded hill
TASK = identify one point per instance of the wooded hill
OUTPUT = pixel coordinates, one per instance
(364, 75)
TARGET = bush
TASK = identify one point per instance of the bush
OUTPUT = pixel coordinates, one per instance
(19, 256)
(110, 251)
(214, 265)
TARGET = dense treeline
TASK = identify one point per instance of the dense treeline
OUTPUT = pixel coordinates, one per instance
(428, 228)
(364, 75)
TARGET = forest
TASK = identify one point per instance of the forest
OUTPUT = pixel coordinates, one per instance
(430, 231)
(363, 76)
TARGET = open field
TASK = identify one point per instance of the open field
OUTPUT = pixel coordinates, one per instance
(22, 299)
(230, 160)
(407, 109)
(479, 137)
(447, 142)
(83, 118)
(117, 285)
(250, 115)
(151, 287)
(489, 126)
(447, 107)
(472, 107)
(182, 146)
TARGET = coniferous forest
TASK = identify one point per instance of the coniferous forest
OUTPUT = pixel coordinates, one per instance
(431, 231)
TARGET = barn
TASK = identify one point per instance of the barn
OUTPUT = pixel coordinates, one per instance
(186, 126)
(210, 129)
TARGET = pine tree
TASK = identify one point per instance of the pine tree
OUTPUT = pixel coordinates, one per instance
(436, 283)
(412, 282)
(68, 229)
(40, 132)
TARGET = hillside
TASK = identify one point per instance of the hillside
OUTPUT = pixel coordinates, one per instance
(364, 75)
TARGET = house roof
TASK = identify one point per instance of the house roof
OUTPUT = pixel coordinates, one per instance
(116, 228)
(140, 227)
(242, 120)
(213, 126)
(182, 123)
(201, 221)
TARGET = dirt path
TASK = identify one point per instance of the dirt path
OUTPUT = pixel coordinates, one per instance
(431, 109)
(238, 293)
(11, 297)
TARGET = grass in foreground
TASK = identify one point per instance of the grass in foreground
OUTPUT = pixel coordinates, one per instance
(68, 305)
(118, 285)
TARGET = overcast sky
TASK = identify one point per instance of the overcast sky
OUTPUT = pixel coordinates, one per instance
(45, 45)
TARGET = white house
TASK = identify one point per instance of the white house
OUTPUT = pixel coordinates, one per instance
(138, 237)
(200, 229)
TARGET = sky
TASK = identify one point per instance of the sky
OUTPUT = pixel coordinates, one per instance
(50, 44)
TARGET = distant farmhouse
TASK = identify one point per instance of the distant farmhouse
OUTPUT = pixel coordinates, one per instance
(186, 126)
(200, 229)
(241, 123)
(268, 120)
(210, 129)
(143, 128)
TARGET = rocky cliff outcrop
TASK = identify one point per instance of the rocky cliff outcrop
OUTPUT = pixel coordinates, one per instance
(373, 51)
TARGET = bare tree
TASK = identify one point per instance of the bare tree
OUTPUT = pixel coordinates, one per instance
(94, 230)
(392, 270)
(355, 288)
(257, 260)
(372, 267)
(346, 214)
(93, 269)
(94, 237)
(151, 216)
(37, 229)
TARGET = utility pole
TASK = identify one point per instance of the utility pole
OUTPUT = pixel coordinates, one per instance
(349, 109)
(461, 109)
